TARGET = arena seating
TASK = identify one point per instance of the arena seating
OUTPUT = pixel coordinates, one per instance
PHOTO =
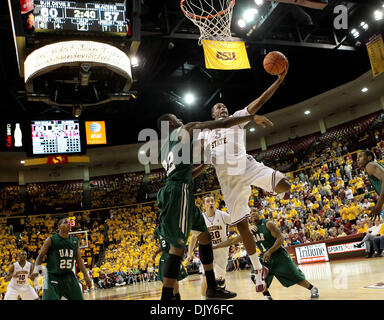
(121, 238)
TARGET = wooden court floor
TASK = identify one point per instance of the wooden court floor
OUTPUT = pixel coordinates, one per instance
(354, 279)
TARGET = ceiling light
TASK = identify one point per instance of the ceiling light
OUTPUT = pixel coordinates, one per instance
(241, 23)
(364, 25)
(378, 14)
(355, 33)
(250, 14)
(189, 98)
(307, 112)
(134, 62)
(259, 2)
(252, 129)
(22, 161)
(364, 90)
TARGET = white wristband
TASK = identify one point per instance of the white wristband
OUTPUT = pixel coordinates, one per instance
(37, 269)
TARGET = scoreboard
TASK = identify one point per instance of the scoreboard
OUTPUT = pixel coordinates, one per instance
(80, 16)
(55, 136)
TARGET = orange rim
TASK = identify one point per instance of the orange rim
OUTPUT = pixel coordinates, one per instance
(193, 16)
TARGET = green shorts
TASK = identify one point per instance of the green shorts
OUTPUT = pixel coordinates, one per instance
(179, 214)
(283, 268)
(65, 285)
(183, 273)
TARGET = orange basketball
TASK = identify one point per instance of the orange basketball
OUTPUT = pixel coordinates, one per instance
(275, 63)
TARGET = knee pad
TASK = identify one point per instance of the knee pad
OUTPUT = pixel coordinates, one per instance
(206, 253)
(172, 266)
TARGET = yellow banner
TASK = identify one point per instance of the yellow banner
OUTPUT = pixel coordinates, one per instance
(95, 132)
(375, 48)
(225, 55)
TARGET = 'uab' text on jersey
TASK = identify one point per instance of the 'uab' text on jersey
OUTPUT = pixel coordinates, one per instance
(263, 237)
(227, 146)
(61, 254)
(217, 226)
(376, 183)
(177, 157)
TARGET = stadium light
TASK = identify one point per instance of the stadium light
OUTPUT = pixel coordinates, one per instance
(364, 25)
(378, 14)
(307, 112)
(355, 33)
(249, 14)
(364, 89)
(134, 62)
(189, 98)
(241, 23)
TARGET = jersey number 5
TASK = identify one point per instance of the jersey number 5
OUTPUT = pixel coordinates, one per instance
(65, 264)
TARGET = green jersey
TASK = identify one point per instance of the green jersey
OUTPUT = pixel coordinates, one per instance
(263, 237)
(176, 158)
(376, 183)
(61, 254)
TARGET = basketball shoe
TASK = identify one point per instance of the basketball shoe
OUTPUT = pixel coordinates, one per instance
(260, 276)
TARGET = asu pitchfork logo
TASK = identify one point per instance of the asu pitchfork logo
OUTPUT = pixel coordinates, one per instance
(226, 56)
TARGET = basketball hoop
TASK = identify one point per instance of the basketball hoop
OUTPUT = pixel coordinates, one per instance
(212, 17)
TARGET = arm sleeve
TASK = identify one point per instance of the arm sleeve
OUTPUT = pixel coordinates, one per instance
(242, 113)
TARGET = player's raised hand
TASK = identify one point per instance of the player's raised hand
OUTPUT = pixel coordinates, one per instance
(282, 75)
(262, 121)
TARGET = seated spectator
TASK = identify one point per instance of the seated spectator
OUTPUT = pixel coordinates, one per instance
(372, 232)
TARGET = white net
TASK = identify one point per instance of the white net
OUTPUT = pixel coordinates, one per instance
(212, 17)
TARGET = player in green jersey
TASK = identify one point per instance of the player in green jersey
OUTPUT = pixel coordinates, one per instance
(375, 170)
(269, 240)
(179, 214)
(164, 249)
(62, 249)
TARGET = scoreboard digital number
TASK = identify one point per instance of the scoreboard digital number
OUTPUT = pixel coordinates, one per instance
(80, 16)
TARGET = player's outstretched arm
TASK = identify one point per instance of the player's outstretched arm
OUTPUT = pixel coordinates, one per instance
(256, 104)
(377, 171)
(83, 269)
(9, 276)
(224, 123)
(43, 252)
(229, 242)
(276, 233)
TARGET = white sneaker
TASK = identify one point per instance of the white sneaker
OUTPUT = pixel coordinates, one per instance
(268, 298)
(260, 276)
(314, 293)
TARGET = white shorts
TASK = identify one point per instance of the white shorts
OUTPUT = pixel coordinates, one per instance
(220, 260)
(236, 189)
(26, 293)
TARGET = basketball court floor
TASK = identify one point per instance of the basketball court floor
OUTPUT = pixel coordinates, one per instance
(353, 279)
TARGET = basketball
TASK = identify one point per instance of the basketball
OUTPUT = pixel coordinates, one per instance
(275, 63)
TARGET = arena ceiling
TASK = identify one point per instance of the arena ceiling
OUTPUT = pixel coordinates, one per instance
(171, 63)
